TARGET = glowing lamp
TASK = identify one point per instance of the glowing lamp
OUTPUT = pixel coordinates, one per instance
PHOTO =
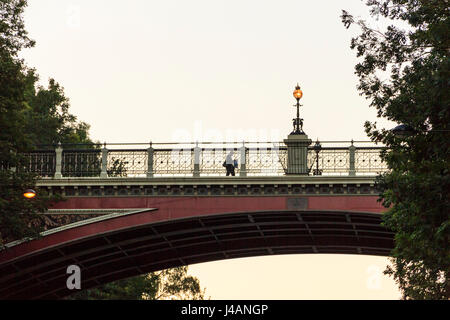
(29, 193)
(298, 94)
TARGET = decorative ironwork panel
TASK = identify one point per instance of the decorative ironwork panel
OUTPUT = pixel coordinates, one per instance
(282, 152)
(175, 161)
(212, 159)
(127, 163)
(40, 162)
(282, 156)
(331, 161)
(81, 163)
(266, 161)
(368, 161)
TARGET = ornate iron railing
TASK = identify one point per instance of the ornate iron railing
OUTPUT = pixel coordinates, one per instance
(201, 159)
(332, 161)
(123, 162)
(212, 159)
(176, 161)
(368, 160)
(81, 163)
(266, 161)
(41, 162)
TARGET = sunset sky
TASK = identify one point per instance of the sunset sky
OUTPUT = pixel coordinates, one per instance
(213, 70)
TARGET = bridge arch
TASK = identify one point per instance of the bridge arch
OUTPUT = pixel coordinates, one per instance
(142, 241)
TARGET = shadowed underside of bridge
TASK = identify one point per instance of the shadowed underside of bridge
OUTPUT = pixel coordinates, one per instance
(111, 250)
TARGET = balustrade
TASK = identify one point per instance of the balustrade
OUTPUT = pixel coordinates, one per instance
(200, 159)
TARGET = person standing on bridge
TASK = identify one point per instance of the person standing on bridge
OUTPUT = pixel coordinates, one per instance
(230, 164)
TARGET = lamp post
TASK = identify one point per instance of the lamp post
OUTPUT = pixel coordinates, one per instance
(298, 123)
(317, 147)
(297, 143)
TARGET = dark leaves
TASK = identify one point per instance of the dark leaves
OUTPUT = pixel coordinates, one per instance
(405, 75)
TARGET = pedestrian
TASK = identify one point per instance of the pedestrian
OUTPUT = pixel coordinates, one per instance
(229, 164)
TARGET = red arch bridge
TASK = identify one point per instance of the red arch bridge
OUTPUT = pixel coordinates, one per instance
(117, 226)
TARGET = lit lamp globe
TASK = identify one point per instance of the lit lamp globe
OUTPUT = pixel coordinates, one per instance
(298, 94)
(29, 193)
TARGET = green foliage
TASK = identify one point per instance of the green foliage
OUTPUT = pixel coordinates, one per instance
(167, 284)
(13, 36)
(405, 74)
(47, 115)
(16, 212)
(27, 116)
(18, 215)
(12, 136)
(47, 122)
(117, 168)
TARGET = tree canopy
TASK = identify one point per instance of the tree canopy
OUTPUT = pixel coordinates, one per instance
(404, 72)
(17, 214)
(29, 115)
(47, 117)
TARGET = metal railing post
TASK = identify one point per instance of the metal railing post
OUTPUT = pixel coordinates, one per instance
(243, 170)
(352, 168)
(150, 152)
(197, 151)
(104, 172)
(58, 166)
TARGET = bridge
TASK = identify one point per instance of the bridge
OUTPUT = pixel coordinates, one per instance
(132, 209)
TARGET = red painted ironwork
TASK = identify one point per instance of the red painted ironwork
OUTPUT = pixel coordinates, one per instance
(186, 230)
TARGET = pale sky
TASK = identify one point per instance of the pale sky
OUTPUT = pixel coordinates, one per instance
(205, 70)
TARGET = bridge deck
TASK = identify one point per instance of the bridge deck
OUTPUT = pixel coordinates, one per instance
(212, 186)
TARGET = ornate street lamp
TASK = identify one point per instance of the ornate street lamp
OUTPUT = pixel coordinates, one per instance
(317, 147)
(403, 131)
(297, 122)
(29, 193)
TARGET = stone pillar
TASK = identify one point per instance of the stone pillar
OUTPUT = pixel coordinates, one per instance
(197, 151)
(297, 158)
(104, 173)
(58, 165)
(150, 152)
(352, 168)
(242, 169)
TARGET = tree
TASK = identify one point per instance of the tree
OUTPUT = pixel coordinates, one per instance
(18, 217)
(405, 73)
(29, 115)
(13, 37)
(167, 284)
(47, 117)
(49, 122)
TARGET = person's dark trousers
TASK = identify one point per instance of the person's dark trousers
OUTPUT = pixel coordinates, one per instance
(230, 170)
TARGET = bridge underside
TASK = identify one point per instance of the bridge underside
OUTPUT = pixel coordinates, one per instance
(120, 253)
